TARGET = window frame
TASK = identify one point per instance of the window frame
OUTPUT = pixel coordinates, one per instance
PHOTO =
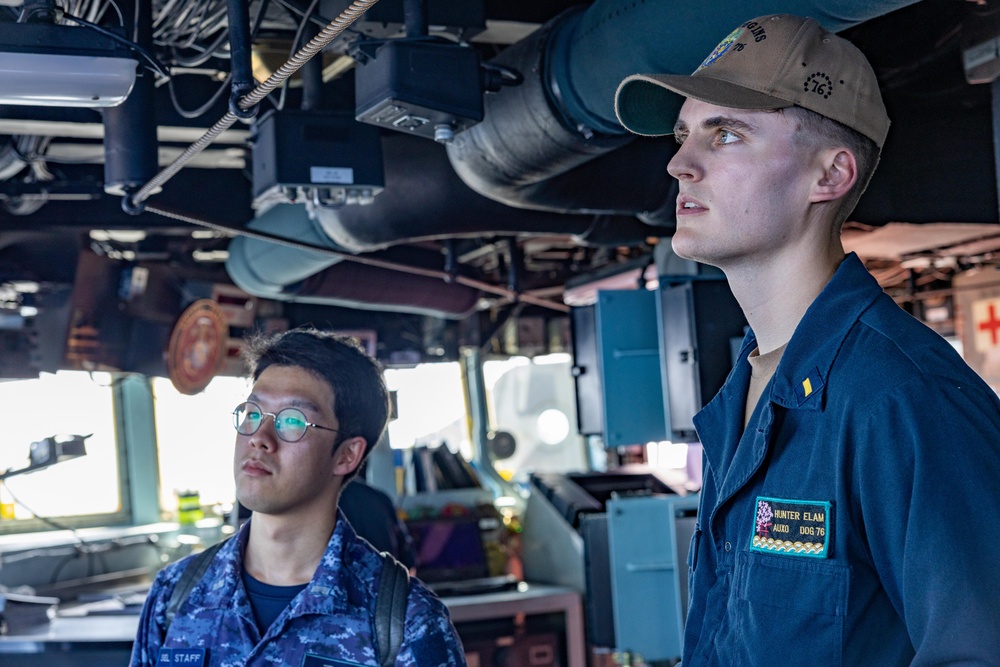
(124, 515)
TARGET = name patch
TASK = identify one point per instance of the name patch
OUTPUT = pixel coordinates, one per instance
(188, 657)
(313, 660)
(791, 527)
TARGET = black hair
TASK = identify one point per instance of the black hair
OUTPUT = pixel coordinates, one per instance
(360, 396)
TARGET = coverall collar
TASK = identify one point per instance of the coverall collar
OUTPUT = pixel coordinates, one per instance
(800, 381)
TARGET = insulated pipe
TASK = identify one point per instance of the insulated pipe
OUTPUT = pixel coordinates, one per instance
(269, 270)
(370, 288)
(522, 141)
(415, 17)
(587, 78)
(11, 163)
(130, 143)
(572, 68)
(312, 76)
(273, 271)
(424, 199)
(240, 49)
(551, 144)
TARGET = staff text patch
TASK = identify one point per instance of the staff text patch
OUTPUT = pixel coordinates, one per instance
(177, 657)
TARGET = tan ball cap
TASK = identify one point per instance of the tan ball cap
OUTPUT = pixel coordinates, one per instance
(771, 62)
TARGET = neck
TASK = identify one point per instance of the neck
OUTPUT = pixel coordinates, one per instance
(285, 551)
(774, 295)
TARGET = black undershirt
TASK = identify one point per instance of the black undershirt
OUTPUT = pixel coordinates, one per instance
(267, 601)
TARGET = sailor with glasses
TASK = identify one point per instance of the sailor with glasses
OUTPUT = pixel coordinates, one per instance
(296, 586)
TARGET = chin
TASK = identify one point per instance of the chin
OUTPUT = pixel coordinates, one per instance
(685, 245)
(255, 502)
(261, 506)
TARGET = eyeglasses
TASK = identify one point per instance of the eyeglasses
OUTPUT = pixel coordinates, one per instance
(289, 423)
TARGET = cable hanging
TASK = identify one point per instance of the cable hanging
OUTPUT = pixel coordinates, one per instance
(133, 203)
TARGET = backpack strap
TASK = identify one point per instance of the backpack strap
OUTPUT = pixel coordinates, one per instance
(192, 574)
(390, 604)
(390, 608)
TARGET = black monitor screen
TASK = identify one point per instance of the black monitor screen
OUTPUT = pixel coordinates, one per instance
(448, 549)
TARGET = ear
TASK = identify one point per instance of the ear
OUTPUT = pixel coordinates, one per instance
(838, 176)
(349, 455)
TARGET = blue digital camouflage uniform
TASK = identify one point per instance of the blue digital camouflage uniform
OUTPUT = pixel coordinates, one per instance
(856, 520)
(330, 623)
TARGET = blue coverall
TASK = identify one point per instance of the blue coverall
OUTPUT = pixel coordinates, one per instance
(856, 520)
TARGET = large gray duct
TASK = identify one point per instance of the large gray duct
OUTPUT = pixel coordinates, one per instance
(423, 200)
(535, 138)
(275, 271)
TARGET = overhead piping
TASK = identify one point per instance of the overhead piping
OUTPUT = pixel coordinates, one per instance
(239, 52)
(536, 138)
(332, 255)
(550, 146)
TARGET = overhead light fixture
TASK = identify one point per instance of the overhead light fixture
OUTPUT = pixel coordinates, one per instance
(43, 64)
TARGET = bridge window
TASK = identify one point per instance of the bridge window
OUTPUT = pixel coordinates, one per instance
(535, 401)
(60, 404)
(195, 440)
(430, 406)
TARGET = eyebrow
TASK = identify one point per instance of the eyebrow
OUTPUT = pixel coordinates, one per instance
(680, 127)
(300, 403)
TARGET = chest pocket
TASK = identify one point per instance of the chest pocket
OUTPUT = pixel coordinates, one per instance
(793, 609)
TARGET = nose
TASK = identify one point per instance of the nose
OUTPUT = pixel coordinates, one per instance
(266, 436)
(684, 165)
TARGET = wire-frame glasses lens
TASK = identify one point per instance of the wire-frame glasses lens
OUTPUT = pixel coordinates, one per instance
(289, 423)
